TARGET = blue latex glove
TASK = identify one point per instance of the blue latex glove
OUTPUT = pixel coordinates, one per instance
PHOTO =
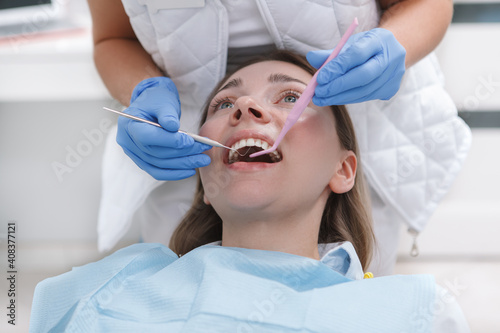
(164, 153)
(370, 66)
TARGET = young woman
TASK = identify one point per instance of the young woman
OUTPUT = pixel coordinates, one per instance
(151, 54)
(273, 244)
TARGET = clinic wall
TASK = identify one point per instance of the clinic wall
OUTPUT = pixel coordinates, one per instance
(50, 170)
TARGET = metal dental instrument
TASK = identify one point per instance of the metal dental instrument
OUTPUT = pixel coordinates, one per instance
(196, 137)
(308, 93)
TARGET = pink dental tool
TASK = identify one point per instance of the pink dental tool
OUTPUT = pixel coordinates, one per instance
(308, 93)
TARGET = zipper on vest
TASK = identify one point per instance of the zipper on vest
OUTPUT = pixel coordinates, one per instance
(414, 248)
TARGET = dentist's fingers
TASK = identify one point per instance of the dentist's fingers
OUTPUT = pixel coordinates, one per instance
(374, 90)
(160, 173)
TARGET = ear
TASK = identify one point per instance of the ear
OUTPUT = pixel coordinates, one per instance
(342, 180)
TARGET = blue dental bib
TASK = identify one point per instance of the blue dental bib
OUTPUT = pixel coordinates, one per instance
(147, 288)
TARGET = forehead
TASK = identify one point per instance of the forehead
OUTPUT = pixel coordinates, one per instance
(260, 72)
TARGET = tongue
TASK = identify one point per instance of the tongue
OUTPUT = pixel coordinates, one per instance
(250, 150)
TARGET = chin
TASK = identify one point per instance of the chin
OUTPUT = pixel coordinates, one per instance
(245, 198)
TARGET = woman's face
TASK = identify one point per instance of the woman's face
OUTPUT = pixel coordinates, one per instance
(250, 109)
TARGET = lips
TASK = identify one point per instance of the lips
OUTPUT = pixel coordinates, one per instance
(247, 142)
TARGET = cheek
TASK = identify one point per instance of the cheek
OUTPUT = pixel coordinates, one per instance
(205, 129)
(317, 131)
(210, 130)
(214, 127)
(210, 174)
(316, 139)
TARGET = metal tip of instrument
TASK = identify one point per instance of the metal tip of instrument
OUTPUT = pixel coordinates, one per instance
(236, 151)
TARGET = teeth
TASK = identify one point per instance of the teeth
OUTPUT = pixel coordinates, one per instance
(275, 156)
(251, 142)
(233, 156)
(237, 145)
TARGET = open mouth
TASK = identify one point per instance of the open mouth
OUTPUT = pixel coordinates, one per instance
(246, 147)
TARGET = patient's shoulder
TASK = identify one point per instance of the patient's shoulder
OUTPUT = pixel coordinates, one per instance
(148, 254)
(142, 249)
(143, 258)
(129, 260)
(64, 295)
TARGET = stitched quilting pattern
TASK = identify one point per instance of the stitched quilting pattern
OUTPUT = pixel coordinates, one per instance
(413, 145)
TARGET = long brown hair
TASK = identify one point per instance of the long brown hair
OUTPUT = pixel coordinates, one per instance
(346, 216)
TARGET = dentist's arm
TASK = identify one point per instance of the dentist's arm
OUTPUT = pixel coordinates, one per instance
(119, 57)
(373, 62)
(418, 25)
(132, 77)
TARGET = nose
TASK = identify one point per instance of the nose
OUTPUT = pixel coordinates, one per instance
(247, 109)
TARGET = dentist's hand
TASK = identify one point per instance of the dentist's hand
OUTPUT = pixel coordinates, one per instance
(164, 153)
(370, 66)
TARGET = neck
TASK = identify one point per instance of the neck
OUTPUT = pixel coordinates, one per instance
(294, 234)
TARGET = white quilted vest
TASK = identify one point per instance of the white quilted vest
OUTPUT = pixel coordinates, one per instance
(177, 38)
(412, 146)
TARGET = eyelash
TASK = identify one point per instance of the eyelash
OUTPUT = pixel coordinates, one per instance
(218, 101)
(287, 93)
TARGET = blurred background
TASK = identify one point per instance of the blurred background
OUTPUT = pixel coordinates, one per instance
(52, 133)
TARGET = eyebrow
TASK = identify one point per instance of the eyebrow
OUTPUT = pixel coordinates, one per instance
(234, 83)
(273, 78)
(280, 77)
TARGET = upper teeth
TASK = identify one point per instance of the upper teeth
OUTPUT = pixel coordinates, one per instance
(250, 143)
(233, 155)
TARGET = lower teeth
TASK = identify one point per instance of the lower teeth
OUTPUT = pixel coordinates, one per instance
(233, 157)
